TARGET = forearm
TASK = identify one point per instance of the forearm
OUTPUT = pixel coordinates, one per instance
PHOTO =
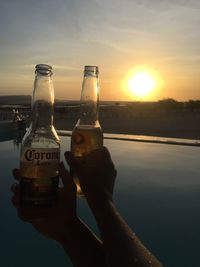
(83, 246)
(122, 247)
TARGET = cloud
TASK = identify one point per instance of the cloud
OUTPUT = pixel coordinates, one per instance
(114, 34)
(66, 68)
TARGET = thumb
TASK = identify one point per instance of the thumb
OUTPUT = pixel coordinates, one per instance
(65, 176)
(16, 174)
(74, 163)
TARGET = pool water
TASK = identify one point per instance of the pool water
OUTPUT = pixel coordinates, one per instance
(157, 191)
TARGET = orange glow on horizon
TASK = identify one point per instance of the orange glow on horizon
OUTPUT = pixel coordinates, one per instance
(142, 83)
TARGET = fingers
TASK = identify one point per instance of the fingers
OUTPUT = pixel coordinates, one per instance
(34, 217)
(73, 162)
(101, 153)
(64, 174)
(15, 201)
(15, 198)
(97, 161)
(98, 155)
(105, 153)
(14, 188)
(68, 156)
(66, 178)
(16, 174)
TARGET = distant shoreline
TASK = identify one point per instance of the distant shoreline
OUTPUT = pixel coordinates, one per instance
(176, 126)
(167, 118)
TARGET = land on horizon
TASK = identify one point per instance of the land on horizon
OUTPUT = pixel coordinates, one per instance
(26, 100)
(164, 118)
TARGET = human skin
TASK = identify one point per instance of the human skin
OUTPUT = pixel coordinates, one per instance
(61, 223)
(121, 246)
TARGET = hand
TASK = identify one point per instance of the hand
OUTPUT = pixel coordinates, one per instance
(52, 222)
(96, 173)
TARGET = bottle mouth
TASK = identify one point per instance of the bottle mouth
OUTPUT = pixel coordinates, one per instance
(91, 70)
(43, 69)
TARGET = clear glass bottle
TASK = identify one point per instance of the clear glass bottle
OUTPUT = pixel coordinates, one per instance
(87, 135)
(40, 149)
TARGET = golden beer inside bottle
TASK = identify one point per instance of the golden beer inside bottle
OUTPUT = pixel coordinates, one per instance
(84, 140)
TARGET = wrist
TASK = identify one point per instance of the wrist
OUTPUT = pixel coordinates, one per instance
(100, 204)
(67, 230)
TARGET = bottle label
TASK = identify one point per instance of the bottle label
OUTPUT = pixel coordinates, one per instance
(39, 162)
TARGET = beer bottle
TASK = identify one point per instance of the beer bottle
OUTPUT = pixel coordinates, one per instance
(87, 134)
(40, 149)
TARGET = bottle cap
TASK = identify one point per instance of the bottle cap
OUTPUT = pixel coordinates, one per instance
(43, 69)
(91, 69)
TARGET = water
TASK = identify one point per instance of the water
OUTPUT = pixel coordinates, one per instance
(160, 198)
(21, 244)
(157, 191)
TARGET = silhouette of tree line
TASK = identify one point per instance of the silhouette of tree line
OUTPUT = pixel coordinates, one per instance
(172, 104)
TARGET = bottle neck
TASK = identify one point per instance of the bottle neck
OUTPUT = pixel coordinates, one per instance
(42, 102)
(89, 103)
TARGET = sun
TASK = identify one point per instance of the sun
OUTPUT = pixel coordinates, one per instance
(141, 82)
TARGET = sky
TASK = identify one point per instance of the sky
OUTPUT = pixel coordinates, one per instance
(116, 35)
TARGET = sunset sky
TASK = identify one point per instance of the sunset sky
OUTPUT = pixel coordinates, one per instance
(162, 36)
